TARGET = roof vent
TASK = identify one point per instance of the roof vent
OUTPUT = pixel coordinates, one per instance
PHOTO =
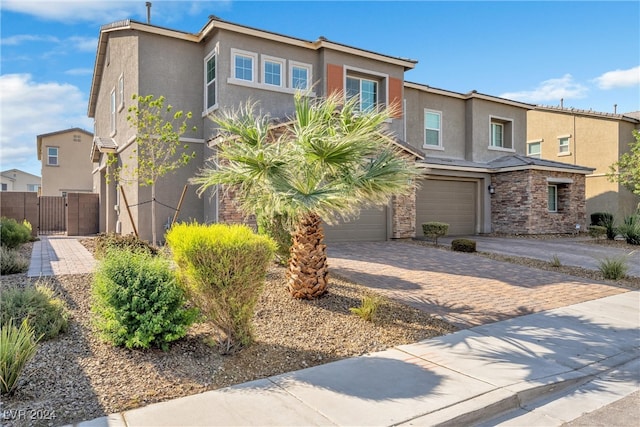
(148, 4)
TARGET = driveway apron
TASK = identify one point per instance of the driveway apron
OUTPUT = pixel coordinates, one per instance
(464, 289)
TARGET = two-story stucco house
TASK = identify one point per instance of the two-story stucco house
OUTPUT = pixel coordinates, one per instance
(17, 180)
(587, 138)
(66, 165)
(471, 146)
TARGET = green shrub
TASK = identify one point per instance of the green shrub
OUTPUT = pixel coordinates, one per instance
(17, 348)
(38, 305)
(276, 228)
(11, 262)
(613, 268)
(597, 231)
(599, 218)
(223, 268)
(12, 233)
(105, 242)
(555, 261)
(368, 307)
(435, 229)
(630, 230)
(463, 245)
(137, 302)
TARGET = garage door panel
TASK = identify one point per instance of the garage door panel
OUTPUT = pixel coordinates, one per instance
(371, 225)
(453, 202)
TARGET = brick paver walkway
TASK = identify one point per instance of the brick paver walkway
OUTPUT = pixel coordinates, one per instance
(59, 255)
(464, 289)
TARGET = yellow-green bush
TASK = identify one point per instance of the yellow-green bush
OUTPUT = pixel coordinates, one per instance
(223, 268)
(13, 233)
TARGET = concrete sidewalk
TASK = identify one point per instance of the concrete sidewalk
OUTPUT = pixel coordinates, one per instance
(458, 379)
(59, 256)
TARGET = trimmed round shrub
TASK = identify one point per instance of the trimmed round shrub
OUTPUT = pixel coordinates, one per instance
(12, 233)
(223, 268)
(435, 229)
(137, 302)
(463, 245)
(38, 305)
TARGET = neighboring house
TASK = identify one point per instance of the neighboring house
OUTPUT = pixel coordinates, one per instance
(17, 180)
(66, 164)
(472, 146)
(587, 138)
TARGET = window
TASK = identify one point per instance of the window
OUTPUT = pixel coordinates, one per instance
(300, 75)
(210, 81)
(552, 205)
(33, 187)
(432, 129)
(121, 92)
(365, 91)
(501, 137)
(52, 156)
(243, 64)
(563, 145)
(272, 69)
(534, 149)
(113, 111)
(4, 187)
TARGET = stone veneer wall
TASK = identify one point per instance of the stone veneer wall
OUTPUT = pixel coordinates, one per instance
(229, 211)
(403, 210)
(519, 205)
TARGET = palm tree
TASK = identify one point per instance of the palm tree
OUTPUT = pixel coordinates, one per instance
(325, 164)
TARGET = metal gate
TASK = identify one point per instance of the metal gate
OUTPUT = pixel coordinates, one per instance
(52, 215)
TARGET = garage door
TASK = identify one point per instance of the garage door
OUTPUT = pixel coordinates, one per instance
(370, 226)
(453, 202)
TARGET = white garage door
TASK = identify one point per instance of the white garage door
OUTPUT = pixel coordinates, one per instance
(453, 202)
(370, 226)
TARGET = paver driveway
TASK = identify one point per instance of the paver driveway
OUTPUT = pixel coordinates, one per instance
(464, 289)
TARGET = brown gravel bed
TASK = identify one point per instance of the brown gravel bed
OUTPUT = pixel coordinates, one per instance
(77, 377)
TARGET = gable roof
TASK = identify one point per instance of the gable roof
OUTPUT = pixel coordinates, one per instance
(59, 132)
(5, 174)
(507, 163)
(214, 24)
(474, 94)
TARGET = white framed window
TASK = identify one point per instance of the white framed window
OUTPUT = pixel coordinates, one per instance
(243, 65)
(534, 148)
(33, 187)
(432, 129)
(563, 145)
(364, 90)
(501, 134)
(113, 111)
(121, 92)
(272, 70)
(52, 156)
(299, 75)
(552, 204)
(210, 81)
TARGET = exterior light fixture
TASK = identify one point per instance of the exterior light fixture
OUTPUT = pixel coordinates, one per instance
(492, 189)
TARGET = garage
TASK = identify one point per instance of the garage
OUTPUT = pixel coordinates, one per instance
(370, 226)
(450, 201)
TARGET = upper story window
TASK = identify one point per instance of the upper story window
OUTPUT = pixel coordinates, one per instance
(300, 75)
(563, 145)
(33, 187)
(432, 129)
(244, 65)
(113, 111)
(501, 137)
(121, 92)
(272, 70)
(534, 148)
(364, 90)
(77, 138)
(210, 81)
(52, 156)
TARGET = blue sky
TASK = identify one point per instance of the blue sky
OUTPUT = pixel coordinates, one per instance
(586, 52)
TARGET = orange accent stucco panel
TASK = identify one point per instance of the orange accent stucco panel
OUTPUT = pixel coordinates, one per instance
(395, 96)
(335, 78)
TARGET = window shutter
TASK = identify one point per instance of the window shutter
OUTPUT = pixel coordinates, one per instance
(335, 79)
(395, 96)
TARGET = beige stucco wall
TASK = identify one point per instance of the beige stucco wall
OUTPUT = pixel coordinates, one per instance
(73, 173)
(17, 180)
(596, 141)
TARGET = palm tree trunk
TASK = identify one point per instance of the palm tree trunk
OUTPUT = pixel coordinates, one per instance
(308, 269)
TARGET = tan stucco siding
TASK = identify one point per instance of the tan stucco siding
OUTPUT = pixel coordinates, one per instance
(72, 174)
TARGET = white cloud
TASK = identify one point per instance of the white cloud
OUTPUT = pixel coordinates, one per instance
(26, 38)
(98, 11)
(83, 44)
(619, 78)
(551, 90)
(79, 72)
(31, 108)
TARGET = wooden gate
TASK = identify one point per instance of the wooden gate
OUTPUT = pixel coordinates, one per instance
(52, 215)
